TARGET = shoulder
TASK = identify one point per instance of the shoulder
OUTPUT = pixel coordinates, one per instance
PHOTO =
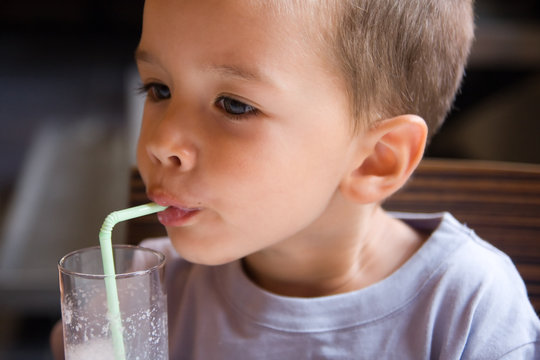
(481, 294)
(455, 249)
(479, 266)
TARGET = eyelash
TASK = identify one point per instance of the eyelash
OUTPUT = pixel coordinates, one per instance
(151, 89)
(220, 103)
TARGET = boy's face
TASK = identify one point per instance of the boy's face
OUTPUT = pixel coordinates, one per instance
(246, 133)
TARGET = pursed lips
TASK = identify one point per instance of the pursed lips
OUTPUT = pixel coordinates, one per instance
(176, 214)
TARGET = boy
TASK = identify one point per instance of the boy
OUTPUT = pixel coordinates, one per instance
(273, 130)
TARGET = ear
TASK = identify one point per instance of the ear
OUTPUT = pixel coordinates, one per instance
(388, 153)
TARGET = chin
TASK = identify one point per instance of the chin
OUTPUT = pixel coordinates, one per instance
(210, 255)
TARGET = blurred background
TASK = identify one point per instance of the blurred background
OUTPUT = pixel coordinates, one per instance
(67, 108)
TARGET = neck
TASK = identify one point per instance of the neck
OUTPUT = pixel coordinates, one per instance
(352, 255)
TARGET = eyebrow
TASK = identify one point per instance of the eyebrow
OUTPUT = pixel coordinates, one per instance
(141, 55)
(225, 70)
(239, 72)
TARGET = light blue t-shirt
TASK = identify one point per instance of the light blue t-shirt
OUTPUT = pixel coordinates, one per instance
(457, 297)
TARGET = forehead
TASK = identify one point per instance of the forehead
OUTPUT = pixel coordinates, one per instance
(228, 16)
(289, 21)
(218, 24)
(219, 34)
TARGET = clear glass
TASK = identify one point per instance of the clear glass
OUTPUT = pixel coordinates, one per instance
(142, 298)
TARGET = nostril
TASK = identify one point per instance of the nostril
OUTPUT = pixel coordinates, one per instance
(169, 156)
(175, 160)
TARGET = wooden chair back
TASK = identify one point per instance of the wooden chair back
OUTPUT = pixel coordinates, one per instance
(500, 201)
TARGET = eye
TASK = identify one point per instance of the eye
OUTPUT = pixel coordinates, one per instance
(156, 91)
(235, 107)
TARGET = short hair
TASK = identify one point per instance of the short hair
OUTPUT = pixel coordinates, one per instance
(403, 56)
(395, 56)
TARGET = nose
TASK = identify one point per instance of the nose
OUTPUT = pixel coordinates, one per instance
(172, 156)
(169, 143)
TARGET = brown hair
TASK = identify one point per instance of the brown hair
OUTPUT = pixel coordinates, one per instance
(403, 56)
(396, 56)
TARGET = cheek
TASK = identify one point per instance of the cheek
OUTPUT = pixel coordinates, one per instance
(147, 136)
(141, 147)
(141, 153)
(276, 188)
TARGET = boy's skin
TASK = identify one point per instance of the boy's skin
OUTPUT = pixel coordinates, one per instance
(291, 183)
(290, 187)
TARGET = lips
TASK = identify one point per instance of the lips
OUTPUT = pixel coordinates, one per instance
(176, 216)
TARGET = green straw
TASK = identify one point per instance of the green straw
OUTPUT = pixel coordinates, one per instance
(108, 269)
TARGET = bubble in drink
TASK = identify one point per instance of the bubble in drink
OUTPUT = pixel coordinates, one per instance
(95, 349)
(87, 321)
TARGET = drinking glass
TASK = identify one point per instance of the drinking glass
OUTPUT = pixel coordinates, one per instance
(142, 299)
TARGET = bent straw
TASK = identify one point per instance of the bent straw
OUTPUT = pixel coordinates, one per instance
(108, 269)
